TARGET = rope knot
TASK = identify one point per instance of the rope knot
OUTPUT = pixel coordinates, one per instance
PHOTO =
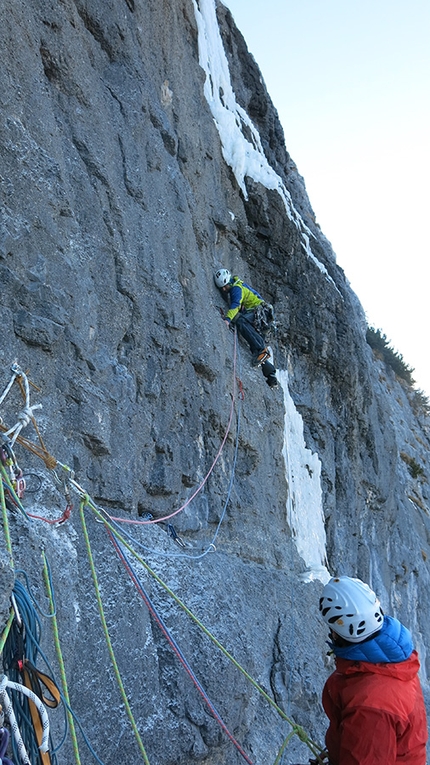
(26, 415)
(50, 462)
(301, 733)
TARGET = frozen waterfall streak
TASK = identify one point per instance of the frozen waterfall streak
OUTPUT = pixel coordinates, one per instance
(245, 157)
(8, 708)
(199, 488)
(304, 501)
(172, 642)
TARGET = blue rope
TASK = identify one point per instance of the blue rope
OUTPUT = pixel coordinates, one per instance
(32, 598)
(34, 630)
(30, 635)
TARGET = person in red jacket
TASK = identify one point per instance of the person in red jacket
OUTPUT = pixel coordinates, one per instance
(373, 699)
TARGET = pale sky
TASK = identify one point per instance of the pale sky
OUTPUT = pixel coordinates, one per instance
(351, 82)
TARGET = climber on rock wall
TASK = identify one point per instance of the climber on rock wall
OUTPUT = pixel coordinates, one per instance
(247, 309)
(373, 699)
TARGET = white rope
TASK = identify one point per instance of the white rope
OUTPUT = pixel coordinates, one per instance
(13, 723)
(26, 415)
(8, 387)
(24, 418)
(44, 746)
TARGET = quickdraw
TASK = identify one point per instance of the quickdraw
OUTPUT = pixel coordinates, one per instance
(169, 528)
(8, 459)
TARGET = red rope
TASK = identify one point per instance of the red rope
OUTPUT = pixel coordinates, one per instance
(63, 519)
(172, 642)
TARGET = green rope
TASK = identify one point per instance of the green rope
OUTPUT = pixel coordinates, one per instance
(60, 659)
(283, 747)
(86, 501)
(9, 549)
(296, 729)
(6, 630)
(12, 491)
(5, 519)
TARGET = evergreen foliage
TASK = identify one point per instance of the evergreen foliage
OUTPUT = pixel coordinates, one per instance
(420, 402)
(381, 345)
(414, 467)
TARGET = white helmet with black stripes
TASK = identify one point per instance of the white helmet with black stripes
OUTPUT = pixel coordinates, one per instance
(222, 277)
(351, 609)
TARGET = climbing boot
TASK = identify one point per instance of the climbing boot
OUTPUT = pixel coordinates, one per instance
(271, 381)
(259, 357)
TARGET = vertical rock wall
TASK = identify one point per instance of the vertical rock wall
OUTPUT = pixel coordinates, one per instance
(116, 207)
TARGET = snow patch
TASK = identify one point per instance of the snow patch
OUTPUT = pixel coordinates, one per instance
(245, 155)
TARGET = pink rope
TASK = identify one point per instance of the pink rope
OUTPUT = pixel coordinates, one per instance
(199, 488)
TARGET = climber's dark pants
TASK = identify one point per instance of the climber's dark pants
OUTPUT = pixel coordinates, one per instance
(244, 324)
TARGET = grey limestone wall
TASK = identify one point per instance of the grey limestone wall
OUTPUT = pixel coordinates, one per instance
(116, 206)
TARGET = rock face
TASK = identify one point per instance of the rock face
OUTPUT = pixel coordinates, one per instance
(117, 206)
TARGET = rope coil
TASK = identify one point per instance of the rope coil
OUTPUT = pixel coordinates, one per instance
(6, 683)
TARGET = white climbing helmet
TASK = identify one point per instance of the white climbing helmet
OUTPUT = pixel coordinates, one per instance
(351, 609)
(222, 277)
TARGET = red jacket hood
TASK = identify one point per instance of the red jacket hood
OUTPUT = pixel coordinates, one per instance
(403, 670)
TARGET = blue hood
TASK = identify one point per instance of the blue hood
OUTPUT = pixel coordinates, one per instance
(393, 643)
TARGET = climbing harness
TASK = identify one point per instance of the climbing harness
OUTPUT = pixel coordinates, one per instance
(33, 679)
(264, 319)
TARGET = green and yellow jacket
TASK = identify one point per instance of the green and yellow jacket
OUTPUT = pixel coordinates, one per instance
(241, 297)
